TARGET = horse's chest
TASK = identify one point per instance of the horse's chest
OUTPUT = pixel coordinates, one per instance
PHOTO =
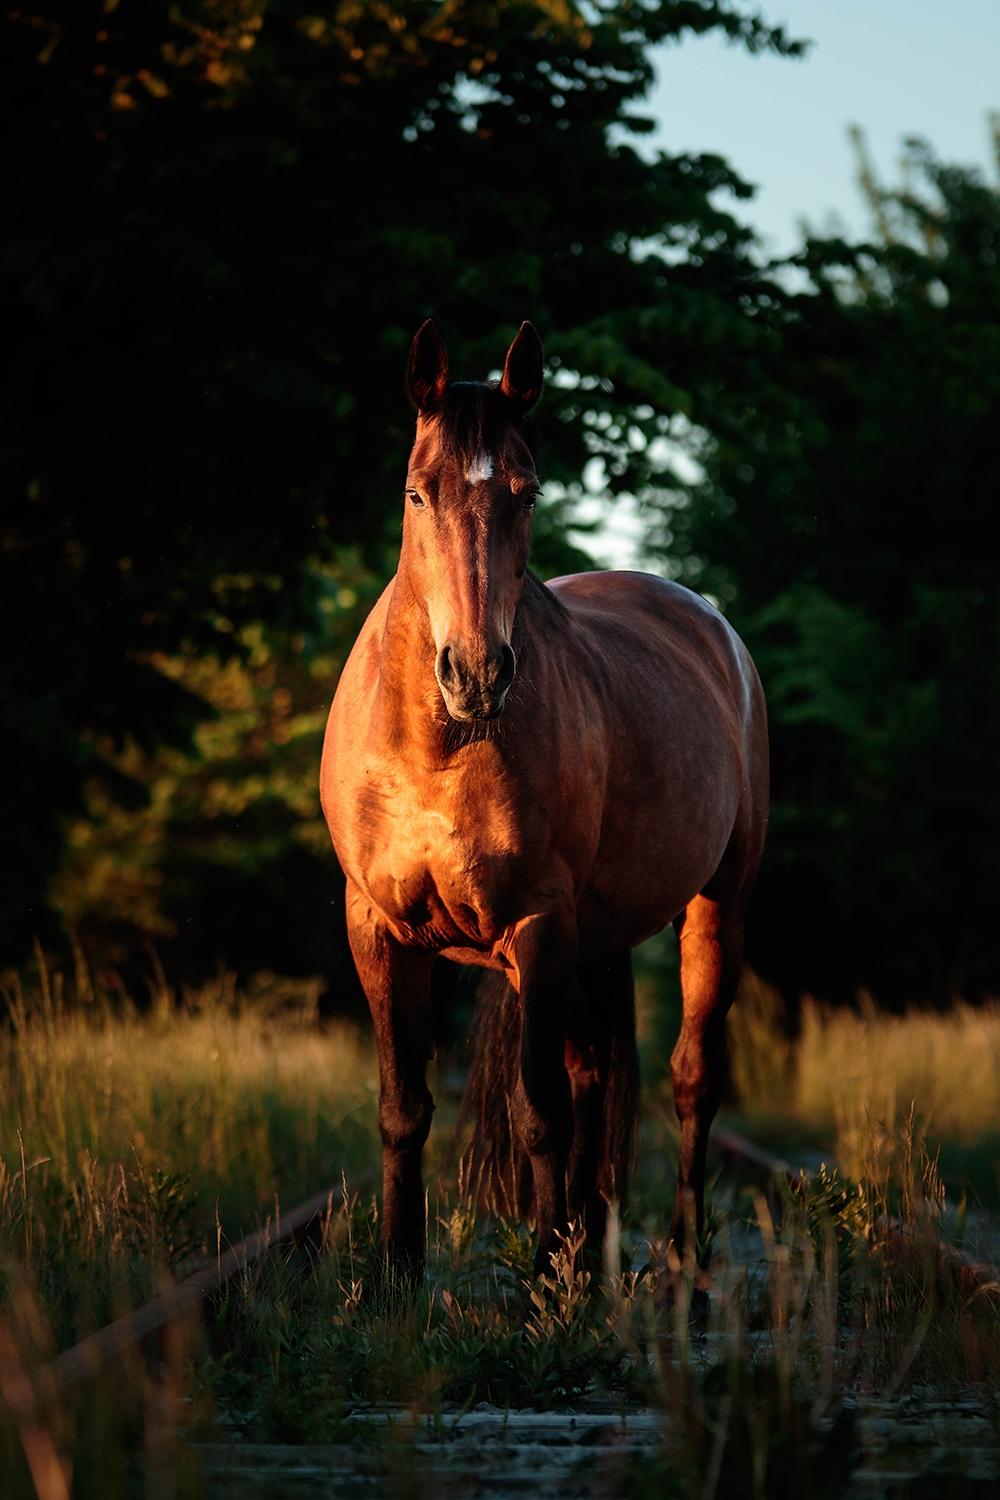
(445, 875)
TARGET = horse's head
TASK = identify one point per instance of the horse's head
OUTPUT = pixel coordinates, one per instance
(470, 490)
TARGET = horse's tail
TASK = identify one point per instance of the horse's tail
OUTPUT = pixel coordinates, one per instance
(495, 1167)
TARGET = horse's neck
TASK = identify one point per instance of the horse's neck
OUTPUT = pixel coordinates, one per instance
(409, 700)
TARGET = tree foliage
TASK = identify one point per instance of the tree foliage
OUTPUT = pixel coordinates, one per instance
(844, 522)
(231, 214)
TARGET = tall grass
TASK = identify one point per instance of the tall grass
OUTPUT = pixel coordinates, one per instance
(849, 1071)
(847, 1302)
(134, 1140)
(129, 1138)
(241, 1091)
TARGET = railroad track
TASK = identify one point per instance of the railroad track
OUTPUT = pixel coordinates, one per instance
(27, 1395)
(973, 1273)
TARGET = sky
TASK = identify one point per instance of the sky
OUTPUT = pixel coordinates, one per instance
(898, 68)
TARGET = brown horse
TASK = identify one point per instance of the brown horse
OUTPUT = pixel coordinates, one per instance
(533, 778)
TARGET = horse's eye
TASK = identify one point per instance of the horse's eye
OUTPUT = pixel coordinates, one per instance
(530, 500)
(415, 499)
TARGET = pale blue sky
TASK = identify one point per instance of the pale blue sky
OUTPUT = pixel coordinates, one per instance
(896, 67)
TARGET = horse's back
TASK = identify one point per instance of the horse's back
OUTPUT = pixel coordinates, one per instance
(640, 603)
(641, 626)
(687, 729)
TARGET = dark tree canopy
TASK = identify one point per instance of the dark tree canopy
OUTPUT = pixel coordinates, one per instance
(230, 216)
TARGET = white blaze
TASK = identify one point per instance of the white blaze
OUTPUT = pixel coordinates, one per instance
(480, 469)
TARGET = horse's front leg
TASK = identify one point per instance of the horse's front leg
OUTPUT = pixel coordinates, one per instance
(545, 960)
(397, 982)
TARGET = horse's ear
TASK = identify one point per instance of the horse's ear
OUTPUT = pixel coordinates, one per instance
(522, 371)
(427, 370)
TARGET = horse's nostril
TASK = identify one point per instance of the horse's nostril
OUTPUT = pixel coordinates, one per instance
(445, 667)
(505, 671)
(487, 676)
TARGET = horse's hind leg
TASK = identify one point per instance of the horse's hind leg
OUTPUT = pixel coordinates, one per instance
(711, 948)
(587, 1081)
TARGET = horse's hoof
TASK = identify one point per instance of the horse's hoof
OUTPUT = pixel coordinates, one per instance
(686, 1289)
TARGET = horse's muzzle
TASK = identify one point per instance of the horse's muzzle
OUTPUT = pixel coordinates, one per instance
(474, 685)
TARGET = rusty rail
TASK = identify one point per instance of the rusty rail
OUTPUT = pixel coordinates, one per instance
(973, 1273)
(27, 1397)
(735, 1147)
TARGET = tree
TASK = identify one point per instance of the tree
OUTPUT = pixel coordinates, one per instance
(843, 522)
(231, 215)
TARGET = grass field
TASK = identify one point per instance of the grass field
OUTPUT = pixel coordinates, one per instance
(851, 1077)
(135, 1144)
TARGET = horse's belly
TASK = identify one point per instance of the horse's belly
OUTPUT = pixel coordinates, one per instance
(627, 918)
(656, 854)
